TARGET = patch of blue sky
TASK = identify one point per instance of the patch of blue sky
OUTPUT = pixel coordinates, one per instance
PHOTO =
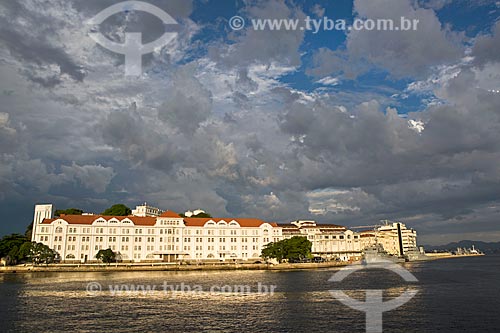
(472, 17)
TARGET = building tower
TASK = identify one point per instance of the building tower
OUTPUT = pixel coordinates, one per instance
(43, 211)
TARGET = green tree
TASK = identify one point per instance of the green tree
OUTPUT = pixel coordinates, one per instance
(25, 251)
(273, 250)
(29, 231)
(7, 243)
(295, 248)
(69, 211)
(41, 254)
(12, 256)
(106, 256)
(17, 248)
(203, 215)
(118, 210)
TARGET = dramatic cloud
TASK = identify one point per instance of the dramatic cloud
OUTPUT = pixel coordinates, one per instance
(253, 46)
(27, 32)
(187, 102)
(401, 53)
(486, 47)
(93, 177)
(267, 124)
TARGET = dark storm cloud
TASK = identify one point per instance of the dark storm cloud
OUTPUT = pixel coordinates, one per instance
(40, 53)
(27, 36)
(384, 168)
(8, 135)
(188, 103)
(486, 47)
(137, 143)
(175, 8)
(223, 133)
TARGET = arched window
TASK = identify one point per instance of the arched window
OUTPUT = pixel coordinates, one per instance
(70, 256)
(58, 230)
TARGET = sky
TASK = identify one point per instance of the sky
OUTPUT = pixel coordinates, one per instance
(347, 127)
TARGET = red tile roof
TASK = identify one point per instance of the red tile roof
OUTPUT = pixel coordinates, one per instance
(244, 222)
(89, 219)
(169, 213)
(151, 221)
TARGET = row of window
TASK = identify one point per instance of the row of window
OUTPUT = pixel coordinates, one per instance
(151, 231)
(333, 237)
(138, 239)
(169, 222)
(72, 247)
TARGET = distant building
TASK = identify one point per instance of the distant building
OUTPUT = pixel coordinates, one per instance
(367, 238)
(194, 213)
(328, 240)
(395, 237)
(145, 210)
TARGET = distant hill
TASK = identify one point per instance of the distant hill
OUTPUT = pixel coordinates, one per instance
(491, 247)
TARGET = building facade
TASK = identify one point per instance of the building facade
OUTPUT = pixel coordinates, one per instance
(166, 236)
(146, 210)
(395, 238)
(329, 241)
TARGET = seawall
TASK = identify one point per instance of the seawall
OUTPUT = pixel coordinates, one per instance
(163, 267)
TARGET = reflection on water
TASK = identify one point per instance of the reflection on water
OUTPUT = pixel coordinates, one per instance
(454, 295)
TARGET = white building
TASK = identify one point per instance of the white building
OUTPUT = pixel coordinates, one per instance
(167, 237)
(395, 237)
(194, 213)
(145, 210)
(328, 240)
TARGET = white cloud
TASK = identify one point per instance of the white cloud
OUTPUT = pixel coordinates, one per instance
(410, 53)
(329, 81)
(416, 125)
